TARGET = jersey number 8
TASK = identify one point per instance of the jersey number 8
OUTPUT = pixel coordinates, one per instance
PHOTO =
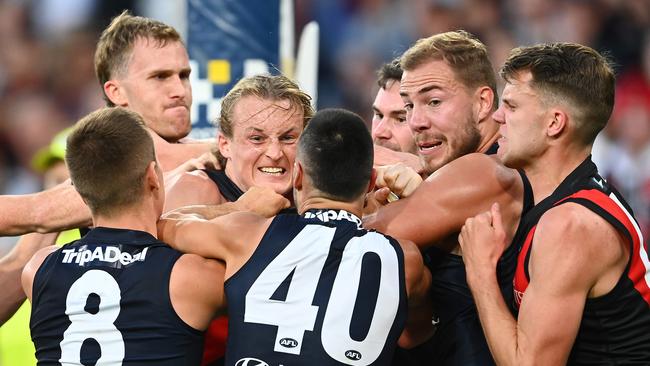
(99, 326)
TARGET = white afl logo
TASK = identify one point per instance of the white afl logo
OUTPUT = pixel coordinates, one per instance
(249, 361)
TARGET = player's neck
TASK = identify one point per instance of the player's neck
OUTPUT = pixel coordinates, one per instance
(171, 155)
(137, 217)
(489, 137)
(322, 203)
(548, 171)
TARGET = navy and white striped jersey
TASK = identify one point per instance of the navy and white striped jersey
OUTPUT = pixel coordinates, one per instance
(318, 290)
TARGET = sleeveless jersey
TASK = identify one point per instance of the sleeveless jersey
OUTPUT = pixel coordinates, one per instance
(318, 290)
(615, 327)
(105, 299)
(215, 337)
(459, 338)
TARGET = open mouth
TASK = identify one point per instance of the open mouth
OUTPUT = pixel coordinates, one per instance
(428, 146)
(272, 170)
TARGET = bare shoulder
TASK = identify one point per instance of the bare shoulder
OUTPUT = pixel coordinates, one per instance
(193, 264)
(190, 267)
(30, 269)
(572, 232)
(35, 263)
(192, 188)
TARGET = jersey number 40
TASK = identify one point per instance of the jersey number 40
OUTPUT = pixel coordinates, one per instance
(305, 256)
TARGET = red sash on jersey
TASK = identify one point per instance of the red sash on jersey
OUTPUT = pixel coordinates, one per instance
(639, 265)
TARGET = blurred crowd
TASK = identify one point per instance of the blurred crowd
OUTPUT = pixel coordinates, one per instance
(47, 80)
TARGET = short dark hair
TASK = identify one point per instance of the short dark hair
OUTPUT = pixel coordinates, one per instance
(391, 71)
(108, 153)
(337, 154)
(569, 72)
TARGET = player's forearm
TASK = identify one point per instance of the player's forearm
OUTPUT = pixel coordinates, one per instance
(499, 326)
(203, 212)
(61, 208)
(52, 210)
(11, 267)
(12, 291)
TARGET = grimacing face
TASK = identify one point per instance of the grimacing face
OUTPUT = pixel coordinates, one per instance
(262, 150)
(156, 85)
(389, 127)
(521, 116)
(439, 113)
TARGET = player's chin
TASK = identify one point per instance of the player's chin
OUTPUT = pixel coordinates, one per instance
(182, 127)
(281, 185)
(432, 164)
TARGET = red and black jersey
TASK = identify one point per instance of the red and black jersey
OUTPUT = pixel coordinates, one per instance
(615, 327)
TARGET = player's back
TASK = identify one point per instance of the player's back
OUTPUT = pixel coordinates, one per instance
(105, 299)
(318, 290)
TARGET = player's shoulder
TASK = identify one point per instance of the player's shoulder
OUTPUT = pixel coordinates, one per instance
(190, 267)
(189, 262)
(571, 223)
(39, 257)
(193, 187)
(33, 265)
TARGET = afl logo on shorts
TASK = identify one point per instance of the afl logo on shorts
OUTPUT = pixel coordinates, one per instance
(249, 361)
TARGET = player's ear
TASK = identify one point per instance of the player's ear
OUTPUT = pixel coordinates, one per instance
(557, 122)
(115, 93)
(373, 180)
(298, 174)
(152, 179)
(224, 145)
(484, 105)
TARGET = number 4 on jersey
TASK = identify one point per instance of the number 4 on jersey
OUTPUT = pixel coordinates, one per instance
(305, 256)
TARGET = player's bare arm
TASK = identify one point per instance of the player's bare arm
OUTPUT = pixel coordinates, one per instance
(55, 209)
(261, 200)
(418, 281)
(231, 238)
(197, 302)
(575, 255)
(438, 208)
(11, 268)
